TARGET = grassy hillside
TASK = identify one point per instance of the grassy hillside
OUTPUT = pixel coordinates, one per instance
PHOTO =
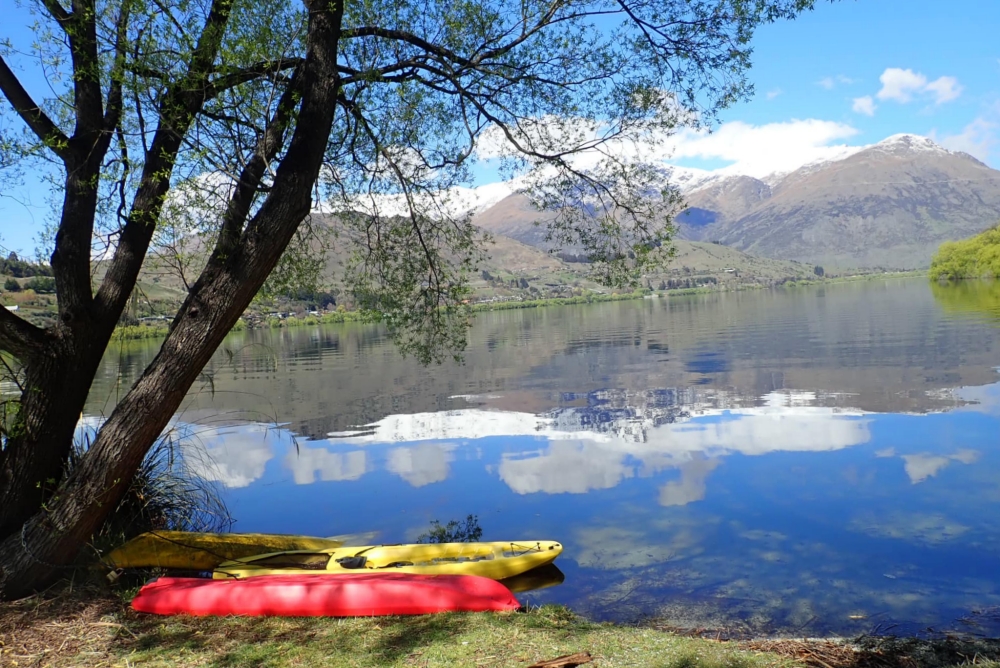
(977, 257)
(512, 269)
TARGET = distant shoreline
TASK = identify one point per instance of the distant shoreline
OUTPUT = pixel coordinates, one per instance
(155, 331)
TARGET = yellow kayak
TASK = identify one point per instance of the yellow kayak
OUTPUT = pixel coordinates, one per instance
(492, 560)
(204, 551)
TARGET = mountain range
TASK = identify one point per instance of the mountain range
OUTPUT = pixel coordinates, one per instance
(888, 205)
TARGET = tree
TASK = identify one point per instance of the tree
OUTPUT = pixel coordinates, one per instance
(41, 284)
(11, 285)
(818, 270)
(975, 257)
(222, 123)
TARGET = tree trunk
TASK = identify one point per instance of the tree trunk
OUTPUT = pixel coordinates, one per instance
(32, 556)
(32, 462)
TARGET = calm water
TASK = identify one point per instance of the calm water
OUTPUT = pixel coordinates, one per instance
(811, 461)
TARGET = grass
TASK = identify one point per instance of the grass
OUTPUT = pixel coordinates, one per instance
(91, 626)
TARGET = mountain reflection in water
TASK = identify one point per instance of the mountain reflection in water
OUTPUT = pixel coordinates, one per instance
(811, 461)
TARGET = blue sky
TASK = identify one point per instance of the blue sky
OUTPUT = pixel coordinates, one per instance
(847, 74)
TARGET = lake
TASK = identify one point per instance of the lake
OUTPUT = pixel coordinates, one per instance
(806, 461)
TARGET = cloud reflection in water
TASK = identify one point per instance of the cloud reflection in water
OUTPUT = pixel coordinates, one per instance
(307, 463)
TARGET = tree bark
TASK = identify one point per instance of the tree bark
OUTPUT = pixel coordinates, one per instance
(32, 557)
(33, 461)
(60, 365)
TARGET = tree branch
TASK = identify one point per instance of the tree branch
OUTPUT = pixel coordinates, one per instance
(113, 113)
(409, 38)
(56, 10)
(177, 109)
(18, 336)
(250, 178)
(87, 96)
(234, 78)
(29, 111)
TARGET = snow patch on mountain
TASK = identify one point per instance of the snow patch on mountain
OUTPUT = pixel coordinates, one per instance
(909, 142)
(459, 201)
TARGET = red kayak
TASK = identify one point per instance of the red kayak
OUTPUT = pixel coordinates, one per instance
(348, 595)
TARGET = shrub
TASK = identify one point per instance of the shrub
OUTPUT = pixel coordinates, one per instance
(11, 285)
(977, 257)
(42, 284)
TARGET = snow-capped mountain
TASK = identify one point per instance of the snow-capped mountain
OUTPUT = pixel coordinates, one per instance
(890, 204)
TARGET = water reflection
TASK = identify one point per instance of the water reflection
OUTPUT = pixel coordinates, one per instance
(309, 463)
(803, 461)
(691, 485)
(577, 450)
(235, 456)
(972, 297)
(923, 465)
(421, 464)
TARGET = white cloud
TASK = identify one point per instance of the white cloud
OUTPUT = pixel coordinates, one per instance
(978, 139)
(771, 94)
(830, 83)
(761, 150)
(566, 467)
(694, 447)
(691, 486)
(921, 466)
(864, 105)
(945, 89)
(234, 456)
(900, 85)
(903, 85)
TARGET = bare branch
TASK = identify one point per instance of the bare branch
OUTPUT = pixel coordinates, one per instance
(256, 71)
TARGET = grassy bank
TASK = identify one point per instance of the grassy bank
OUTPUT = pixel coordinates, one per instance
(91, 627)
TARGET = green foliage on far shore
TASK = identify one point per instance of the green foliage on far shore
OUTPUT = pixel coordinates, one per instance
(976, 257)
